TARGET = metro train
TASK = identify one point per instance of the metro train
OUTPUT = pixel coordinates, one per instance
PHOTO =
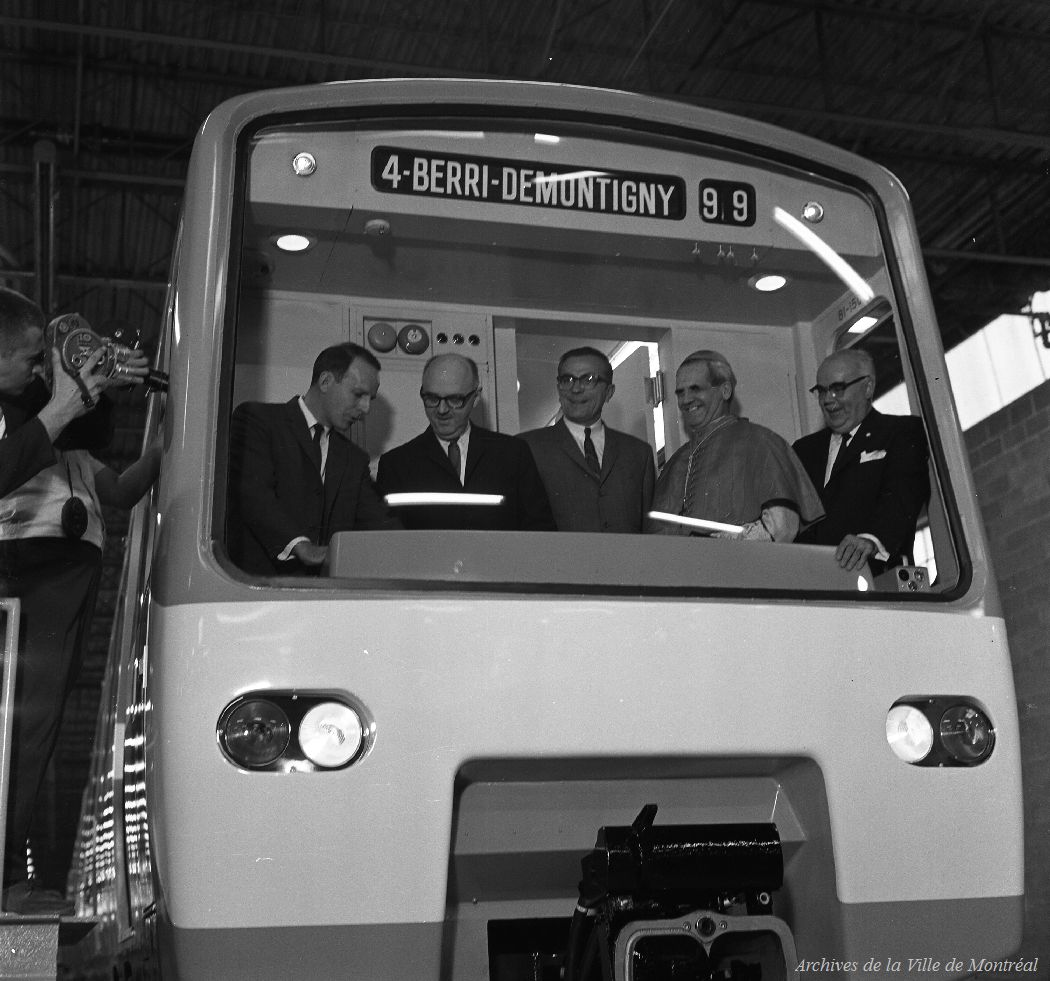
(540, 755)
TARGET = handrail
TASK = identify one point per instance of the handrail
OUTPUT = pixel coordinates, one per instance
(12, 611)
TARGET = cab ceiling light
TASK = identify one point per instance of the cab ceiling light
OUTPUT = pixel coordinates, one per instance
(768, 283)
(862, 324)
(293, 243)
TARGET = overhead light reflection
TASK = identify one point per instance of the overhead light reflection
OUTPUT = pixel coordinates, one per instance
(839, 266)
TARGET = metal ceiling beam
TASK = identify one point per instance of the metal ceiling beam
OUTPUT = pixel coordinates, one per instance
(983, 134)
(961, 255)
(645, 41)
(849, 9)
(112, 282)
(232, 47)
(158, 184)
(978, 134)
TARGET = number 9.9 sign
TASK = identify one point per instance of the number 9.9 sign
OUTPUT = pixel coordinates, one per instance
(727, 203)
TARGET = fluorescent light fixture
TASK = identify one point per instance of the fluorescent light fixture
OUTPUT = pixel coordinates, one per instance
(769, 283)
(839, 266)
(701, 524)
(292, 242)
(546, 138)
(435, 497)
(861, 324)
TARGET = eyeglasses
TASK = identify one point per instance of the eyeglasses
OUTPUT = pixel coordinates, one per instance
(584, 381)
(836, 389)
(432, 401)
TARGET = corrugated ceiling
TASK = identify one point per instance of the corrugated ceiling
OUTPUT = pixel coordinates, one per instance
(949, 94)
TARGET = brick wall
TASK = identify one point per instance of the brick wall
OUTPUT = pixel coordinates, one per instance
(1010, 456)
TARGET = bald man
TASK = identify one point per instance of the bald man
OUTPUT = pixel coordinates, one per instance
(870, 469)
(456, 455)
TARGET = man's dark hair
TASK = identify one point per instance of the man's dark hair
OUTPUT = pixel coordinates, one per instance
(18, 315)
(587, 352)
(338, 358)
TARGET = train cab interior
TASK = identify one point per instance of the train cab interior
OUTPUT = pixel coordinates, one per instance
(513, 243)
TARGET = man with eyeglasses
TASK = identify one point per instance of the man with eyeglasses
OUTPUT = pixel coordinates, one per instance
(597, 478)
(870, 469)
(295, 477)
(455, 455)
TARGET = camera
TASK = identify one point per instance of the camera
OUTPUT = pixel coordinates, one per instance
(71, 335)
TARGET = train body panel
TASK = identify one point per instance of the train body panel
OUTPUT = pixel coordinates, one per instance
(520, 774)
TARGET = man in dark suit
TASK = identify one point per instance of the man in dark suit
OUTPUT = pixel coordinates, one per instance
(295, 479)
(871, 468)
(454, 455)
(597, 479)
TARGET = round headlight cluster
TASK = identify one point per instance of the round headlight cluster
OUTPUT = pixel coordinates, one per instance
(939, 731)
(256, 731)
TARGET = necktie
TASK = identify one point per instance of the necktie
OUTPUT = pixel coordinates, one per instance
(454, 456)
(589, 452)
(318, 433)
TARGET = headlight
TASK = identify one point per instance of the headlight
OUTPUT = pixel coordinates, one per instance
(256, 732)
(967, 734)
(331, 734)
(909, 733)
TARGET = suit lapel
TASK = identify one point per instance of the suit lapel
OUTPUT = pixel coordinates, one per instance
(611, 451)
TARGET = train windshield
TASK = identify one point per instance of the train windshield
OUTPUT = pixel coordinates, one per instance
(514, 241)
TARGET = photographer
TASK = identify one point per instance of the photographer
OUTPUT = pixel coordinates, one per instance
(27, 449)
(51, 539)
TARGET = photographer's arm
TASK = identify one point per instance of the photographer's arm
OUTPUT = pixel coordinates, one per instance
(124, 490)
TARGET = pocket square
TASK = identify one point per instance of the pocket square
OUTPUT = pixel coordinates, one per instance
(869, 455)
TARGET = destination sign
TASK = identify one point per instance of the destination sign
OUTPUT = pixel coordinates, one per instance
(492, 180)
